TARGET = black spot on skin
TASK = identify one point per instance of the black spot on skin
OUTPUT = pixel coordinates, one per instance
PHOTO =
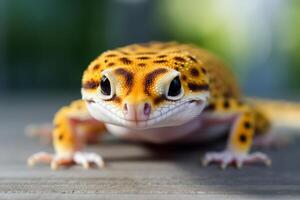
(143, 58)
(182, 65)
(162, 56)
(192, 59)
(194, 72)
(149, 78)
(159, 61)
(142, 64)
(211, 107)
(226, 104)
(203, 70)
(105, 61)
(128, 77)
(198, 87)
(247, 125)
(60, 137)
(179, 59)
(96, 67)
(111, 55)
(110, 64)
(91, 84)
(184, 77)
(117, 99)
(158, 100)
(243, 138)
(176, 68)
(125, 61)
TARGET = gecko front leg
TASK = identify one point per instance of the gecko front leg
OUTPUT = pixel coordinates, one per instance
(71, 124)
(240, 138)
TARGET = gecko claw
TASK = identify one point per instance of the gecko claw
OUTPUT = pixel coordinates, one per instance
(39, 157)
(81, 158)
(54, 166)
(239, 164)
(86, 158)
(226, 158)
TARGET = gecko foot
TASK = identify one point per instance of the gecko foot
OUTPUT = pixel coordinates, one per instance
(81, 158)
(227, 157)
(85, 159)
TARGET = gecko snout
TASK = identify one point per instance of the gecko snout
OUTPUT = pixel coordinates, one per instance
(137, 112)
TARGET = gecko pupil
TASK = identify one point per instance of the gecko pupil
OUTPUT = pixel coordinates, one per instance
(105, 86)
(175, 87)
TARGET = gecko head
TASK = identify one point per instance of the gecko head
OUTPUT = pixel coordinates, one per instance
(143, 90)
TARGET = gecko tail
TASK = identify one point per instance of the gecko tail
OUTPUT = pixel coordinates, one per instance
(282, 114)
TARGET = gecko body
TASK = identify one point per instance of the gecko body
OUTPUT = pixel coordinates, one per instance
(160, 93)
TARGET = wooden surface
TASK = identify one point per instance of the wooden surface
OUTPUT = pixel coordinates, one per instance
(133, 171)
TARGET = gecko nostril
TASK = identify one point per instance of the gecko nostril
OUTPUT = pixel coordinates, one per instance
(147, 109)
(125, 108)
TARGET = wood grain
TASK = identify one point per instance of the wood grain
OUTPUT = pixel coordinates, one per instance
(134, 171)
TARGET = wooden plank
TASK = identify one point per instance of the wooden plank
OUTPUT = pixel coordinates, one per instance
(134, 170)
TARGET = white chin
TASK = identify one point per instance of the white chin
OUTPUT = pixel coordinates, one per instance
(175, 117)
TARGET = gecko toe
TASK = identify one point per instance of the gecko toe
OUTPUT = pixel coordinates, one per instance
(226, 158)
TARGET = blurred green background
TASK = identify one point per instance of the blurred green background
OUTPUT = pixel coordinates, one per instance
(45, 45)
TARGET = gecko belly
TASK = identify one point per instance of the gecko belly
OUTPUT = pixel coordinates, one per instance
(203, 128)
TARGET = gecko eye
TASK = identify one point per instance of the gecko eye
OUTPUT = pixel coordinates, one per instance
(175, 91)
(105, 87)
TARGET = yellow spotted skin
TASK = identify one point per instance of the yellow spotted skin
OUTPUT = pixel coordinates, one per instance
(63, 137)
(138, 66)
(71, 121)
(198, 68)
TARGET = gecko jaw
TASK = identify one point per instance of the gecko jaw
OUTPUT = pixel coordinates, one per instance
(175, 113)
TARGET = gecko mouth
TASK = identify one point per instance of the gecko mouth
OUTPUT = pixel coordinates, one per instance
(174, 114)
